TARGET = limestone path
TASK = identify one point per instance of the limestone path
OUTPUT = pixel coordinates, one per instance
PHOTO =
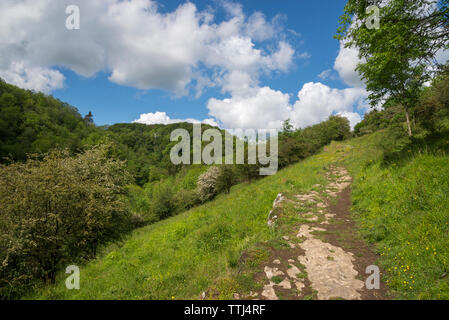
(325, 258)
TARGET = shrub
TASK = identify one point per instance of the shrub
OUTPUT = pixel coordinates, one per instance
(139, 204)
(432, 110)
(302, 143)
(55, 211)
(292, 150)
(163, 203)
(189, 178)
(137, 221)
(156, 174)
(207, 184)
(226, 179)
(186, 199)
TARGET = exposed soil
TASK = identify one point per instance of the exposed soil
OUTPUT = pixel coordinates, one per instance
(324, 256)
(343, 233)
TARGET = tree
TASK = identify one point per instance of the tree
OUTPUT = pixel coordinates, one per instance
(287, 127)
(433, 108)
(55, 211)
(399, 56)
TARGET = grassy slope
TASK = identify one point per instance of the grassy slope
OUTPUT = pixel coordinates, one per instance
(180, 257)
(402, 207)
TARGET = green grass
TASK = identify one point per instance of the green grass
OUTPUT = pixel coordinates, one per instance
(277, 279)
(403, 207)
(182, 256)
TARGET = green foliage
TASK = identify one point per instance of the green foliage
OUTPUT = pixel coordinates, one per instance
(226, 179)
(162, 203)
(214, 237)
(432, 110)
(185, 199)
(35, 123)
(376, 120)
(156, 173)
(167, 196)
(430, 117)
(56, 211)
(302, 143)
(146, 148)
(287, 127)
(398, 57)
(189, 178)
(139, 203)
(394, 142)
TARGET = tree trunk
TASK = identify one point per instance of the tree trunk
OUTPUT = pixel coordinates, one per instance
(408, 122)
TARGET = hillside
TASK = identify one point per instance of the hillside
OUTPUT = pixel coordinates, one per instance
(192, 240)
(35, 123)
(181, 256)
(92, 185)
(399, 207)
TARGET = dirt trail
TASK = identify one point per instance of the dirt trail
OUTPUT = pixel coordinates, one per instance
(325, 258)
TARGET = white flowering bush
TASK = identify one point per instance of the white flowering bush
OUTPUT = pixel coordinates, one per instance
(207, 184)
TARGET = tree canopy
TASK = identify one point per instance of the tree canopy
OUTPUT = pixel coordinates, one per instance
(399, 56)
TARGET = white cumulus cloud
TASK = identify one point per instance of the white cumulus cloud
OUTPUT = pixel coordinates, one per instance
(33, 78)
(346, 63)
(140, 46)
(137, 44)
(162, 118)
(265, 108)
(316, 102)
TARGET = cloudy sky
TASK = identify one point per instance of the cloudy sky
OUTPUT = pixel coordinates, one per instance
(245, 64)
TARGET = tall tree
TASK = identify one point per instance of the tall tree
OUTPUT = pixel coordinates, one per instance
(287, 127)
(398, 54)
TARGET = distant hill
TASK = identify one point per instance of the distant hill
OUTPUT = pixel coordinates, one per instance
(142, 146)
(32, 122)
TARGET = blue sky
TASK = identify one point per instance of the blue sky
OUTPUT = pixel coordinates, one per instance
(84, 80)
